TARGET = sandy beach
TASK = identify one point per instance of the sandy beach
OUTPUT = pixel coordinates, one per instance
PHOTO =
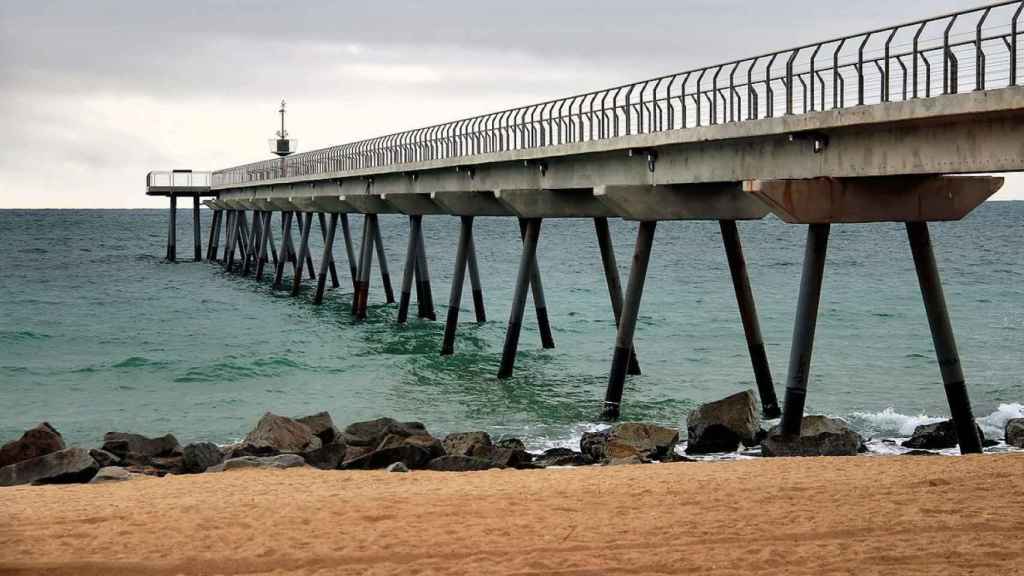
(867, 515)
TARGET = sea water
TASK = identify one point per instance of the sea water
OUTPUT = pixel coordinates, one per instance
(99, 333)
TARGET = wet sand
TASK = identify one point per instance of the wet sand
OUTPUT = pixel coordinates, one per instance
(881, 515)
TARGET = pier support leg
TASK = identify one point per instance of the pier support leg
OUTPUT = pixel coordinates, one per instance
(474, 280)
(304, 258)
(748, 316)
(302, 220)
(323, 233)
(243, 238)
(409, 270)
(539, 303)
(327, 262)
(365, 267)
(803, 328)
(229, 252)
(627, 323)
(229, 223)
(282, 258)
(211, 241)
(458, 279)
(196, 232)
(611, 276)
(349, 251)
(253, 243)
(264, 240)
(385, 276)
(424, 294)
(172, 225)
(942, 337)
(289, 244)
(270, 236)
(531, 234)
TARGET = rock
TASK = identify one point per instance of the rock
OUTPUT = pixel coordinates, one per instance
(473, 444)
(723, 425)
(560, 457)
(170, 464)
(322, 427)
(103, 458)
(196, 458)
(513, 458)
(281, 434)
(415, 451)
(511, 444)
(327, 457)
(459, 463)
(631, 459)
(372, 432)
(121, 444)
(819, 436)
(39, 441)
(937, 436)
(628, 439)
(1015, 432)
(397, 467)
(71, 465)
(277, 462)
(920, 453)
(111, 474)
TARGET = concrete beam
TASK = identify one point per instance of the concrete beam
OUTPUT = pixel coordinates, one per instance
(884, 199)
(475, 203)
(369, 203)
(570, 203)
(719, 201)
(413, 203)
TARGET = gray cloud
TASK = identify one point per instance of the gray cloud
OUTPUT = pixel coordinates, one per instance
(109, 90)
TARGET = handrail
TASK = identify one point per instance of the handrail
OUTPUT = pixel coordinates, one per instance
(857, 67)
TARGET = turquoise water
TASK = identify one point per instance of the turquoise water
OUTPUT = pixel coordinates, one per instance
(97, 333)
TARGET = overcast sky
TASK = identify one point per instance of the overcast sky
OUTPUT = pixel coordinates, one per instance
(96, 93)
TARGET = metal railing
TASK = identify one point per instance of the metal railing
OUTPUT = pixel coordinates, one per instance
(919, 59)
(178, 179)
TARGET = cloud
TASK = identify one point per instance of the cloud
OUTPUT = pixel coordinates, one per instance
(96, 94)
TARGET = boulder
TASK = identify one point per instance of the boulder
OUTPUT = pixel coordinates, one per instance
(71, 465)
(628, 439)
(281, 434)
(397, 467)
(458, 463)
(275, 462)
(472, 444)
(513, 458)
(111, 474)
(121, 444)
(328, 457)
(415, 451)
(937, 436)
(196, 458)
(723, 425)
(372, 432)
(819, 436)
(103, 458)
(39, 441)
(559, 457)
(170, 464)
(511, 444)
(322, 427)
(1015, 432)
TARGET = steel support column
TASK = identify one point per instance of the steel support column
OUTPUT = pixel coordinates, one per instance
(531, 234)
(539, 303)
(327, 261)
(611, 276)
(172, 229)
(282, 258)
(803, 328)
(411, 253)
(307, 224)
(323, 234)
(385, 276)
(196, 232)
(424, 294)
(346, 232)
(627, 323)
(748, 316)
(942, 337)
(474, 280)
(458, 279)
(264, 241)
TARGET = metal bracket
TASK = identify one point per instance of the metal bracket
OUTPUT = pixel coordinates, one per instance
(650, 153)
(540, 164)
(819, 140)
(467, 169)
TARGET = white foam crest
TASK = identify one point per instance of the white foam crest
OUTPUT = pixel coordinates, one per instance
(994, 425)
(891, 422)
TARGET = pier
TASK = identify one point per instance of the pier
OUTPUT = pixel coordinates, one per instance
(889, 125)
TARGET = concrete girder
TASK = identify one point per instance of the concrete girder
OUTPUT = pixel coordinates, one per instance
(371, 203)
(284, 204)
(413, 203)
(718, 201)
(567, 203)
(304, 203)
(471, 203)
(334, 204)
(878, 199)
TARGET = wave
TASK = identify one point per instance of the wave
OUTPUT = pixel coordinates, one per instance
(22, 336)
(889, 422)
